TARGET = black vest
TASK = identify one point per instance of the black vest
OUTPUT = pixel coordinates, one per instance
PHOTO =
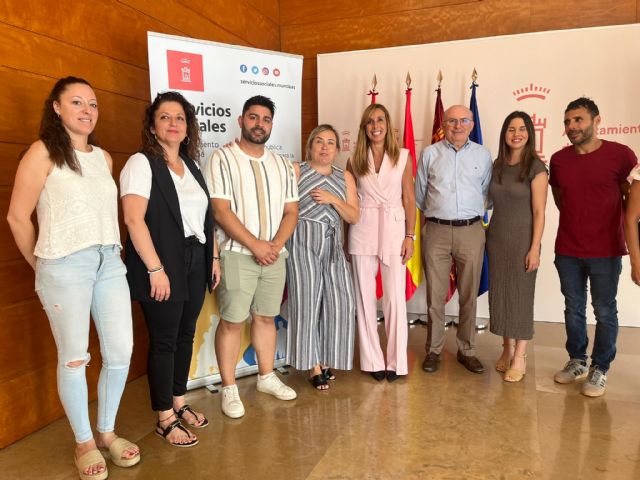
(164, 220)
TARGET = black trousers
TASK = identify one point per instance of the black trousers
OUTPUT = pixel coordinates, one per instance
(172, 326)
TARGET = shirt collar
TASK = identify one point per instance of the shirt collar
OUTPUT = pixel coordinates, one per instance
(450, 145)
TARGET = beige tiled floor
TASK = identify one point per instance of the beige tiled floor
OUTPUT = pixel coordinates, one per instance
(447, 425)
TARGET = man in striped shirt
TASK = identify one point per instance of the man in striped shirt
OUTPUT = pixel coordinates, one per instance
(254, 195)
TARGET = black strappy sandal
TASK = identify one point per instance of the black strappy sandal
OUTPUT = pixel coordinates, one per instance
(163, 432)
(328, 374)
(319, 381)
(187, 408)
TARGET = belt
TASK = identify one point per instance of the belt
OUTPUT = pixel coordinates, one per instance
(454, 223)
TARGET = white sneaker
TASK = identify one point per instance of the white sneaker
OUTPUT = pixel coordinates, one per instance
(274, 386)
(231, 404)
(572, 371)
(596, 383)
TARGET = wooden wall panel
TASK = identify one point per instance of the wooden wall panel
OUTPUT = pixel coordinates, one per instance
(563, 14)
(469, 20)
(104, 41)
(8, 249)
(106, 27)
(34, 335)
(9, 153)
(240, 18)
(179, 15)
(17, 280)
(24, 51)
(270, 8)
(305, 12)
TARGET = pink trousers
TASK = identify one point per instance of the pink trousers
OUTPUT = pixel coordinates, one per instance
(394, 307)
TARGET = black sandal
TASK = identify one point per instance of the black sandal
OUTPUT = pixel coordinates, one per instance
(164, 432)
(187, 408)
(319, 381)
(328, 374)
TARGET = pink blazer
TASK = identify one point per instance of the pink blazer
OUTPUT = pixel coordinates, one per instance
(381, 228)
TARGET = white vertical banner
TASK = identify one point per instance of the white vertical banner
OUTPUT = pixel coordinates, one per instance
(539, 73)
(217, 79)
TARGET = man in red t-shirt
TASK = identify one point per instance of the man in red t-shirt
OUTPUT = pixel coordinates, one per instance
(588, 181)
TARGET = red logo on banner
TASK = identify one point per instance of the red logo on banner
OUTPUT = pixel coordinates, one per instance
(531, 91)
(185, 71)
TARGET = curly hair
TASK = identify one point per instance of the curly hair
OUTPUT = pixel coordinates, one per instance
(150, 145)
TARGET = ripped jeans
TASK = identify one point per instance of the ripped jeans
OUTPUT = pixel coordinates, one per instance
(90, 281)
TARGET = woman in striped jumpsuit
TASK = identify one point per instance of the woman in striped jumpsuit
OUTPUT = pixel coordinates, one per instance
(321, 306)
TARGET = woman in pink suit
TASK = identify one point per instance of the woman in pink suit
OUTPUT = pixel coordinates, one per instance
(384, 236)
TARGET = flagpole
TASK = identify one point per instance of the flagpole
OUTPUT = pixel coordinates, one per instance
(373, 93)
(476, 136)
(413, 268)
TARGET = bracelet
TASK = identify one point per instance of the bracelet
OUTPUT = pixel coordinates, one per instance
(411, 236)
(155, 270)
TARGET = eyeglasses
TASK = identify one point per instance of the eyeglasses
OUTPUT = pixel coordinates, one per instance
(458, 121)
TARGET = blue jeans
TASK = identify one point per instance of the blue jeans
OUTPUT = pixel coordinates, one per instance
(90, 281)
(603, 275)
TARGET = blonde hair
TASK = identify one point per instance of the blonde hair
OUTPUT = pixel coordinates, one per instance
(359, 159)
(325, 127)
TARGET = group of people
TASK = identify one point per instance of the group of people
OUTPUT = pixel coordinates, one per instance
(248, 220)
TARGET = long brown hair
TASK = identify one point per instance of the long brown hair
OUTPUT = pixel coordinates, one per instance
(528, 155)
(189, 147)
(325, 127)
(360, 158)
(52, 132)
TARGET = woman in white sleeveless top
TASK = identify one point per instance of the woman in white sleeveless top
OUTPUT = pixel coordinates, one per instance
(76, 258)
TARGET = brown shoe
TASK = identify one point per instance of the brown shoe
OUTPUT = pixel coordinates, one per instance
(431, 363)
(471, 363)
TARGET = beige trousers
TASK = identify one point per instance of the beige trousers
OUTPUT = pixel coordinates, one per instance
(466, 245)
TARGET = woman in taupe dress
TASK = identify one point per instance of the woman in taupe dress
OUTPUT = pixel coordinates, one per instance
(518, 191)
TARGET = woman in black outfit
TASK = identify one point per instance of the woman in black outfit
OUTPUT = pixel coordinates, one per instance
(170, 254)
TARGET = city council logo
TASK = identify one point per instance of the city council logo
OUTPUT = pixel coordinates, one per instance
(185, 71)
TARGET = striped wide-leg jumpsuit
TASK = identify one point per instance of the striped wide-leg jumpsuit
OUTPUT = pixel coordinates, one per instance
(321, 306)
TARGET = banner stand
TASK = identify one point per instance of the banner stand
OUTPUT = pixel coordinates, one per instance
(217, 79)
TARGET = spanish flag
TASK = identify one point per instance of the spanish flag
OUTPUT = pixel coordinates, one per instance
(414, 265)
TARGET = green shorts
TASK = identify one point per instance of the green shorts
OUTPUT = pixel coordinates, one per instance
(246, 287)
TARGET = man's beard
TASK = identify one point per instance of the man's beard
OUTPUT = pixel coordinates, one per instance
(248, 135)
(586, 134)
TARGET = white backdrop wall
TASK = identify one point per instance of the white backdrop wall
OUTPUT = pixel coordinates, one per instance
(538, 73)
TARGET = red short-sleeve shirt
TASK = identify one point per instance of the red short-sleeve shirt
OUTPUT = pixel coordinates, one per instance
(591, 223)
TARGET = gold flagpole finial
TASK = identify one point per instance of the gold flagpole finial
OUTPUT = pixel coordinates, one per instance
(439, 78)
(474, 75)
(374, 82)
(408, 80)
